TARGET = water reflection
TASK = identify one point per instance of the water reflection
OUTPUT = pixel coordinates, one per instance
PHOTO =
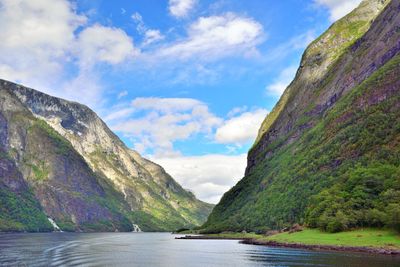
(161, 249)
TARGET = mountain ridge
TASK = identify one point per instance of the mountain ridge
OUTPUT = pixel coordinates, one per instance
(318, 159)
(150, 197)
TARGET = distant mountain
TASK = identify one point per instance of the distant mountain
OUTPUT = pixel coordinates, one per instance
(59, 160)
(328, 155)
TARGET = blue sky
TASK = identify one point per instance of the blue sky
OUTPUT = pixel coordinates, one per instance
(186, 83)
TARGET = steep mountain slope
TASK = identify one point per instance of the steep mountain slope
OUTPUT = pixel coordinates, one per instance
(19, 209)
(69, 166)
(42, 175)
(329, 153)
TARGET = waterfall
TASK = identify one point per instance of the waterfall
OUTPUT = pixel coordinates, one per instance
(55, 226)
(136, 228)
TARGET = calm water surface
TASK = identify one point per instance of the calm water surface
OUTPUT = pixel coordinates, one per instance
(161, 249)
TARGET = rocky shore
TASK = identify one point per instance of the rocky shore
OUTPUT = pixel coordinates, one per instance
(254, 241)
(383, 251)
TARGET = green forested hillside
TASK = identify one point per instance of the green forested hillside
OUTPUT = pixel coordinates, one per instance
(60, 161)
(329, 154)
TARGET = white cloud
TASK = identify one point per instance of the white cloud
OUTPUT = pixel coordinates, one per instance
(196, 56)
(36, 38)
(122, 94)
(299, 42)
(43, 39)
(208, 176)
(282, 82)
(236, 111)
(162, 121)
(211, 38)
(181, 8)
(152, 36)
(85, 87)
(242, 128)
(338, 8)
(138, 19)
(104, 44)
(154, 124)
(119, 114)
(167, 105)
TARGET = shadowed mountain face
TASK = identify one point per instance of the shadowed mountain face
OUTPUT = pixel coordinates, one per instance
(58, 159)
(329, 153)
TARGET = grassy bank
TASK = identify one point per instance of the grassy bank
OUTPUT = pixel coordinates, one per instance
(236, 235)
(374, 238)
(355, 238)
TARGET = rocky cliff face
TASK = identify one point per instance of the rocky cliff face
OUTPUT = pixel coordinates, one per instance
(312, 92)
(19, 209)
(328, 154)
(76, 171)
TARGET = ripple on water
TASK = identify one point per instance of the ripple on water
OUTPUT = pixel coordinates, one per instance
(161, 249)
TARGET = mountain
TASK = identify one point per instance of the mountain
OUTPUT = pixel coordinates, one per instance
(59, 160)
(328, 155)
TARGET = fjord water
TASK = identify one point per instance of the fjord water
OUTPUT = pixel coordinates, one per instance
(161, 249)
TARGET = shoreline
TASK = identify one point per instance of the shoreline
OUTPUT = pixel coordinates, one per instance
(369, 250)
(205, 237)
(270, 243)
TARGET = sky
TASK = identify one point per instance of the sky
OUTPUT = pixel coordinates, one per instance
(186, 83)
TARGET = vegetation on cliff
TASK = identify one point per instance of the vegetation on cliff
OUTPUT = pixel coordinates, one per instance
(59, 160)
(329, 154)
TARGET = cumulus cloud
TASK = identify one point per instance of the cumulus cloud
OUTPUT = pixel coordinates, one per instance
(208, 176)
(282, 82)
(41, 38)
(36, 38)
(181, 8)
(338, 8)
(162, 121)
(241, 128)
(211, 38)
(154, 124)
(104, 44)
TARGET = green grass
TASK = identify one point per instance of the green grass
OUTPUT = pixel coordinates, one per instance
(361, 237)
(365, 237)
(236, 235)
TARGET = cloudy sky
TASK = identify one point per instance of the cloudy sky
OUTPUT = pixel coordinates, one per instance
(184, 82)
